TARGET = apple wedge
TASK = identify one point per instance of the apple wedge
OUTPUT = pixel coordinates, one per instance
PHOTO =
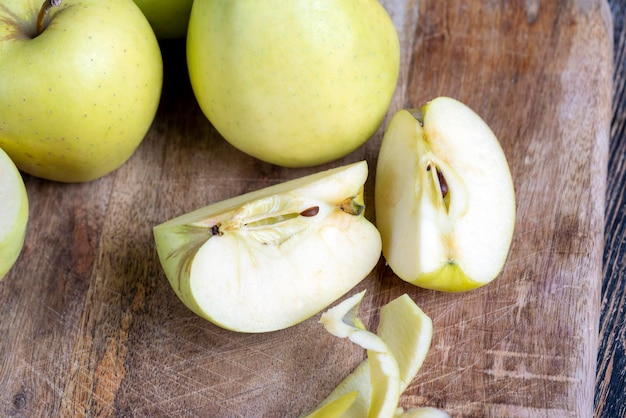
(274, 257)
(444, 198)
(13, 213)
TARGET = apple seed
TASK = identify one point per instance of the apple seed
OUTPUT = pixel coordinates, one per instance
(443, 185)
(310, 212)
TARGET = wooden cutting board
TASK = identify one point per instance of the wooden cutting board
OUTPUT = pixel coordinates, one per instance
(90, 327)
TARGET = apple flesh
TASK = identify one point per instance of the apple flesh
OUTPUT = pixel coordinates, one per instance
(77, 95)
(274, 257)
(444, 198)
(13, 213)
(293, 83)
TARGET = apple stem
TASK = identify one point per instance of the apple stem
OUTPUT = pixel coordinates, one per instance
(352, 207)
(43, 12)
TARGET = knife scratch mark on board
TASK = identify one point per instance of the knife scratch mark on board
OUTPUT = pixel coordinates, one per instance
(517, 365)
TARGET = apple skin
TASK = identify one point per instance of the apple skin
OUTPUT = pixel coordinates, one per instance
(169, 18)
(454, 244)
(449, 278)
(296, 83)
(77, 100)
(407, 333)
(13, 213)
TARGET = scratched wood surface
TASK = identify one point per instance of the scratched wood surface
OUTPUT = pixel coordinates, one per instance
(610, 397)
(90, 327)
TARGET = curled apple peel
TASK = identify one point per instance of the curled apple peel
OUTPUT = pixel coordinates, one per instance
(384, 375)
(394, 356)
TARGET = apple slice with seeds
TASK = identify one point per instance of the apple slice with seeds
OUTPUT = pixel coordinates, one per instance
(444, 198)
(272, 258)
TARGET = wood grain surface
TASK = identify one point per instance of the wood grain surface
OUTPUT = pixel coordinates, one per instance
(90, 327)
(611, 376)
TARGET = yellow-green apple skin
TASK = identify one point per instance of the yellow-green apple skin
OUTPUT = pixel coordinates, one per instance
(169, 18)
(293, 83)
(77, 99)
(405, 332)
(444, 198)
(13, 213)
(271, 258)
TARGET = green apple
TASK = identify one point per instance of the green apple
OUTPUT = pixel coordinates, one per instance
(274, 257)
(168, 18)
(293, 83)
(13, 213)
(80, 83)
(444, 198)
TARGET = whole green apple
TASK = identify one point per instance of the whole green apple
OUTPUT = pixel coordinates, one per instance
(79, 85)
(293, 83)
(13, 213)
(169, 18)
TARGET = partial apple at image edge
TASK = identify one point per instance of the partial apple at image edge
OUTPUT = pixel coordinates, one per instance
(14, 213)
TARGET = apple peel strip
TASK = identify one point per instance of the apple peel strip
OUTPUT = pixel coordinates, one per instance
(373, 389)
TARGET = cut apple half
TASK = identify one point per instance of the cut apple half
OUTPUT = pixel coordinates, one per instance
(444, 198)
(272, 258)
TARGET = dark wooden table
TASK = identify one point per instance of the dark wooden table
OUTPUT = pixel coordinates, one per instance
(611, 379)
